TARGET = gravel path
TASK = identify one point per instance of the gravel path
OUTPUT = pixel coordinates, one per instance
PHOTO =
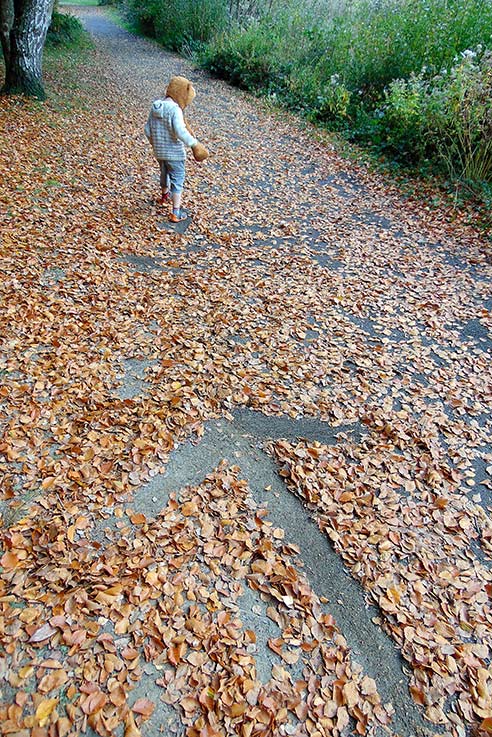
(332, 342)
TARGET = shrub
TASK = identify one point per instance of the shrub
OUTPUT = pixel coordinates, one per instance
(404, 118)
(374, 43)
(364, 45)
(176, 23)
(460, 116)
(320, 100)
(64, 30)
(248, 58)
(447, 116)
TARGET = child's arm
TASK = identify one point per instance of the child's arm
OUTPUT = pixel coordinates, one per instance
(147, 126)
(185, 135)
(181, 130)
(188, 127)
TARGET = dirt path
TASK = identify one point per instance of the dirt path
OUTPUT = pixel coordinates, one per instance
(244, 462)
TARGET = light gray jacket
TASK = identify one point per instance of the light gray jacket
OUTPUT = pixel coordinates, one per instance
(166, 131)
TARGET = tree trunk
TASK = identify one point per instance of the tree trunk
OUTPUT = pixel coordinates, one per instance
(27, 36)
(6, 21)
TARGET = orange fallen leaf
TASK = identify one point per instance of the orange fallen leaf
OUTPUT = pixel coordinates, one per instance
(131, 729)
(29, 614)
(143, 706)
(9, 561)
(350, 694)
(42, 633)
(52, 680)
(138, 518)
(275, 644)
(189, 704)
(129, 653)
(176, 653)
(238, 709)
(94, 702)
(117, 695)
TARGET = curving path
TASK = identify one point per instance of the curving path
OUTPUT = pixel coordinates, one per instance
(331, 344)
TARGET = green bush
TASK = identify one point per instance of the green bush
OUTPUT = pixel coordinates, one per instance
(404, 118)
(64, 30)
(320, 100)
(177, 23)
(459, 114)
(373, 43)
(248, 58)
(365, 46)
(447, 117)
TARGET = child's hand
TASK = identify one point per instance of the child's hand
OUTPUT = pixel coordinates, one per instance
(200, 153)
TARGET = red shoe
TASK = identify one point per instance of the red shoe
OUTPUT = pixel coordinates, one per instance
(164, 199)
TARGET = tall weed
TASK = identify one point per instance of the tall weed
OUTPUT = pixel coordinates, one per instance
(248, 58)
(459, 114)
(366, 44)
(377, 42)
(65, 30)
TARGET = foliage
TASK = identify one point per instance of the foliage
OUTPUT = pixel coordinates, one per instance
(375, 43)
(367, 44)
(249, 58)
(376, 71)
(460, 113)
(65, 30)
(177, 23)
(448, 116)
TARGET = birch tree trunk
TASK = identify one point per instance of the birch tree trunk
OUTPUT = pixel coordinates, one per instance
(6, 21)
(26, 42)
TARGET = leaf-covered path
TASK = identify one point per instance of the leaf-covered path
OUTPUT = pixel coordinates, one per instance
(246, 469)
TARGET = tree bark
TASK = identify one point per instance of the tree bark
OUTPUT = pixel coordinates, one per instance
(27, 37)
(6, 21)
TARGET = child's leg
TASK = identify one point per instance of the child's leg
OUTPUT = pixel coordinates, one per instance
(176, 198)
(177, 176)
(164, 181)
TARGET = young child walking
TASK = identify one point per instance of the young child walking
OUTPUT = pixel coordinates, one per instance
(169, 134)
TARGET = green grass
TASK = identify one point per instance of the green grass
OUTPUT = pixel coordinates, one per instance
(62, 3)
(177, 24)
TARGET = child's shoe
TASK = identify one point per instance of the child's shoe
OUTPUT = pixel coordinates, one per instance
(164, 199)
(177, 216)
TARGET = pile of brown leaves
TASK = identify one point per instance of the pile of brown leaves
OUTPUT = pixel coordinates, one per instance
(81, 620)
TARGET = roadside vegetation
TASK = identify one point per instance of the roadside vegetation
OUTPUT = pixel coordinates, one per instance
(66, 31)
(410, 81)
